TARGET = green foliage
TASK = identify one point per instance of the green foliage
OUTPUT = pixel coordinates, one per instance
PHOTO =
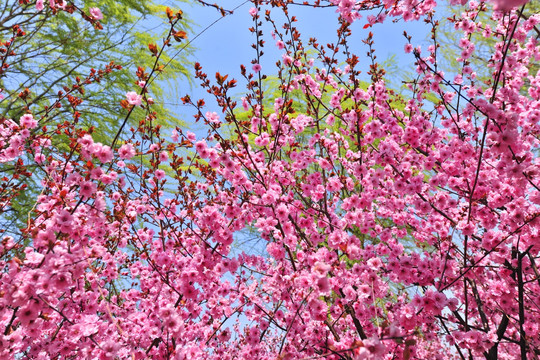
(50, 57)
(58, 48)
(448, 40)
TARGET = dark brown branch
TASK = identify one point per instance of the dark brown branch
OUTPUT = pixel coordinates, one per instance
(493, 353)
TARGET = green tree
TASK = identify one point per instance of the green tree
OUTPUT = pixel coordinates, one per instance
(58, 48)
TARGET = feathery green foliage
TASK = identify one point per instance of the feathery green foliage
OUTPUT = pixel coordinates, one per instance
(58, 48)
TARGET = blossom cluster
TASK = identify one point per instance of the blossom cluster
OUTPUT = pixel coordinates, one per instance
(342, 219)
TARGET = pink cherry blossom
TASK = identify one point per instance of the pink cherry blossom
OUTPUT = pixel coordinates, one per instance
(28, 121)
(330, 217)
(87, 189)
(507, 5)
(126, 151)
(160, 174)
(163, 156)
(133, 98)
(213, 117)
(96, 13)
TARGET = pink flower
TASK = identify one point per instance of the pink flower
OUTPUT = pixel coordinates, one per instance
(213, 117)
(96, 13)
(39, 5)
(126, 151)
(375, 347)
(32, 257)
(87, 189)
(507, 5)
(334, 184)
(163, 156)
(96, 173)
(280, 44)
(108, 178)
(282, 212)
(245, 104)
(53, 4)
(262, 140)
(321, 269)
(39, 158)
(201, 148)
(110, 348)
(275, 250)
(133, 98)
(27, 121)
(256, 67)
(28, 313)
(105, 154)
(86, 141)
(317, 309)
(253, 11)
(160, 174)
(191, 136)
(408, 48)
(64, 217)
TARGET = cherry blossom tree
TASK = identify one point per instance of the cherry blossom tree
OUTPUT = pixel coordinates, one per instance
(393, 225)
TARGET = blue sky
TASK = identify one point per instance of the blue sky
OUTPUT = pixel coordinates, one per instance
(227, 43)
